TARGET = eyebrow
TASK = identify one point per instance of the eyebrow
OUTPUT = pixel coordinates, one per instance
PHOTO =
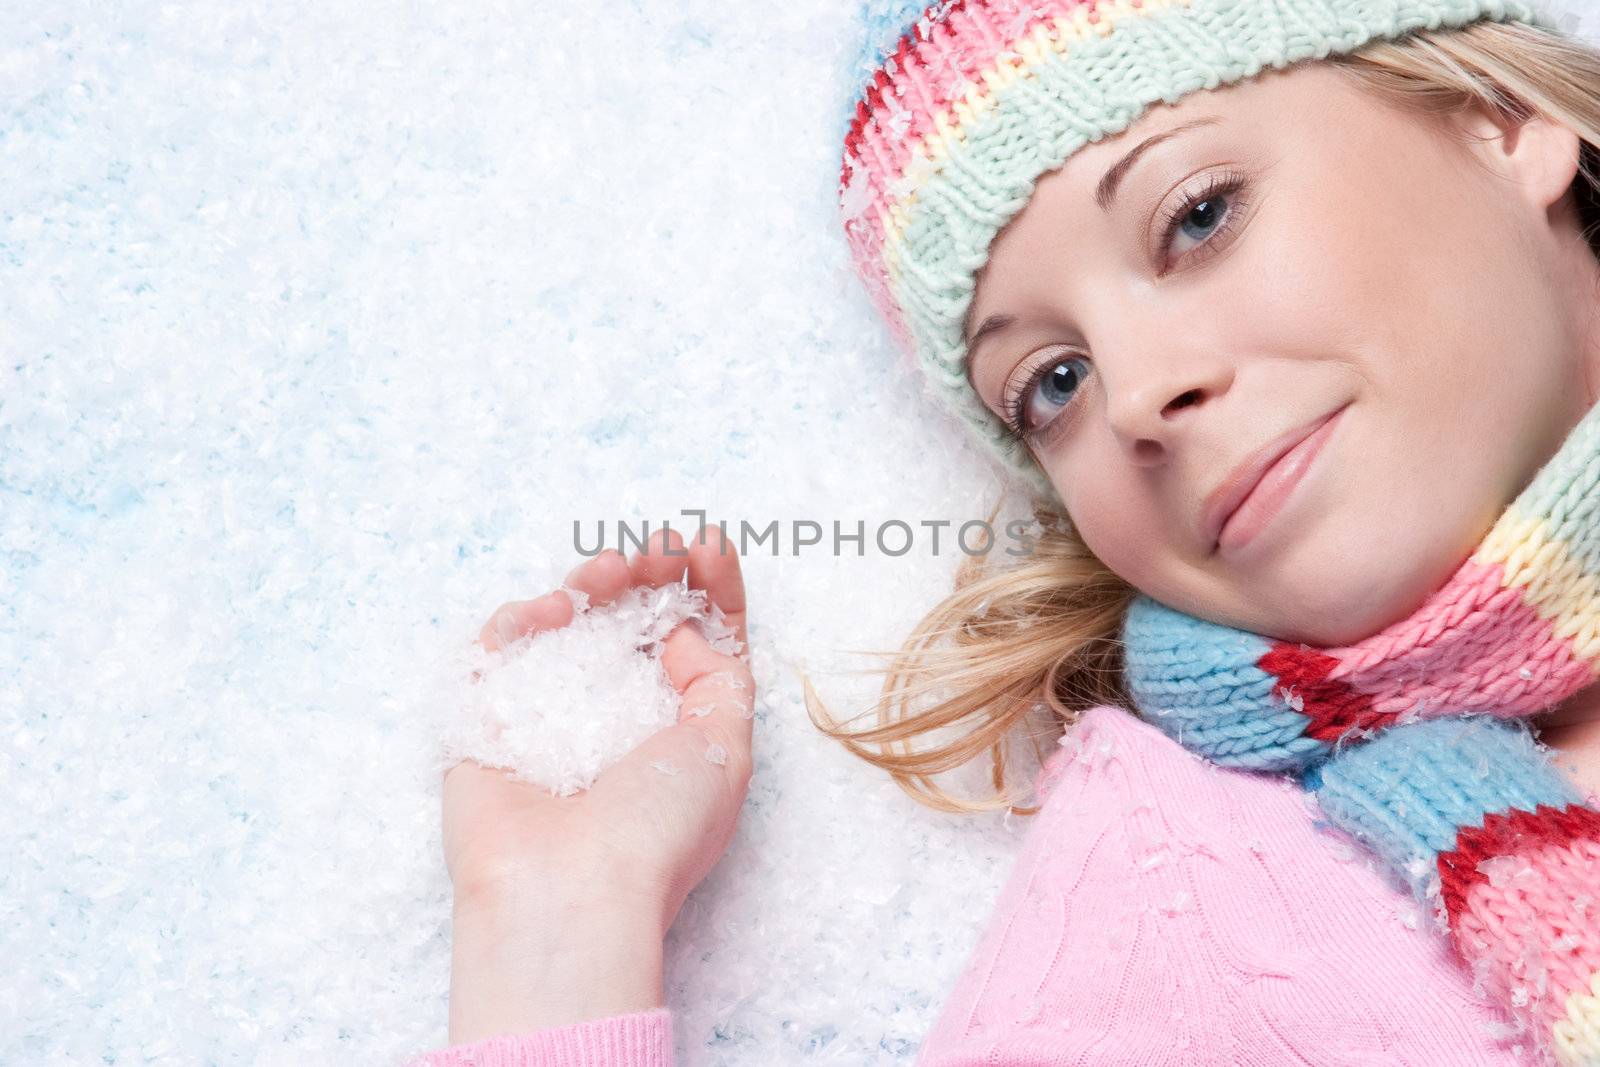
(1106, 191)
(1105, 194)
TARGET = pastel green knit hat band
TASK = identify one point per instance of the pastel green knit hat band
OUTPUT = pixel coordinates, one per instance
(971, 101)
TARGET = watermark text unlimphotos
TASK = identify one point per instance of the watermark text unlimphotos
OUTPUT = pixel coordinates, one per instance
(893, 537)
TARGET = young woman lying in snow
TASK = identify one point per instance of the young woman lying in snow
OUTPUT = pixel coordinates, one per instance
(1286, 310)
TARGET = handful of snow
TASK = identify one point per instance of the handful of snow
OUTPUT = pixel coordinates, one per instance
(556, 708)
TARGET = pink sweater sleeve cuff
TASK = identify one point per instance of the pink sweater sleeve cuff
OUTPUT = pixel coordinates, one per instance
(639, 1039)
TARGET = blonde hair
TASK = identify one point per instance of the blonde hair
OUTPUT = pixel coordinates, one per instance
(1040, 639)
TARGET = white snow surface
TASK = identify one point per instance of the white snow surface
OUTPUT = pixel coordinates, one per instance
(324, 325)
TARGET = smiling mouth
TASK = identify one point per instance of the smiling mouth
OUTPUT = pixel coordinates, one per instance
(1264, 495)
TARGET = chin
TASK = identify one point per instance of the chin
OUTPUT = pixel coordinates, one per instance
(1339, 596)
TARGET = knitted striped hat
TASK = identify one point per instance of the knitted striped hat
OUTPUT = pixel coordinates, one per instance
(969, 102)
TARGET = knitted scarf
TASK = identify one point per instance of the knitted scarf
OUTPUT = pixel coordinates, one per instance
(1413, 740)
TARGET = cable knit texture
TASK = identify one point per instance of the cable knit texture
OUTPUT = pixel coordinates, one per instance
(1167, 912)
(967, 103)
(1414, 741)
(639, 1039)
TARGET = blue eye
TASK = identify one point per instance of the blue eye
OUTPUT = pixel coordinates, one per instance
(1207, 217)
(1045, 393)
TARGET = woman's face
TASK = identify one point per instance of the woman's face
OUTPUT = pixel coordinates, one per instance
(1287, 371)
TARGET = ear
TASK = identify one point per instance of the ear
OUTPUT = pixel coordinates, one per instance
(1537, 156)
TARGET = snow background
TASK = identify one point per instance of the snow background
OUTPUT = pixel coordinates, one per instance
(323, 324)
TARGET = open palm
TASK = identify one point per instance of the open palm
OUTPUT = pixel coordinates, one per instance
(638, 833)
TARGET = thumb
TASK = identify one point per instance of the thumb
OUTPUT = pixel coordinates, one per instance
(718, 695)
(715, 719)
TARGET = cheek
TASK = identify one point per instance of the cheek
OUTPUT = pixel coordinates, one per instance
(1118, 525)
(1419, 304)
(1319, 284)
(1394, 277)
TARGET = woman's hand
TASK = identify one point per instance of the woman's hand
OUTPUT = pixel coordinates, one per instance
(561, 902)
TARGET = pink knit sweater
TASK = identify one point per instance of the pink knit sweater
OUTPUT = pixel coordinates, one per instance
(1162, 911)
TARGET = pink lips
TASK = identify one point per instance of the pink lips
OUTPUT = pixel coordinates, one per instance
(1255, 490)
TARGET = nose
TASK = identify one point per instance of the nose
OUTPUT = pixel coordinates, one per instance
(1153, 402)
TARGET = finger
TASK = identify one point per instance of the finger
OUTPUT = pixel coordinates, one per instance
(662, 560)
(519, 618)
(687, 753)
(602, 579)
(714, 567)
(717, 690)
